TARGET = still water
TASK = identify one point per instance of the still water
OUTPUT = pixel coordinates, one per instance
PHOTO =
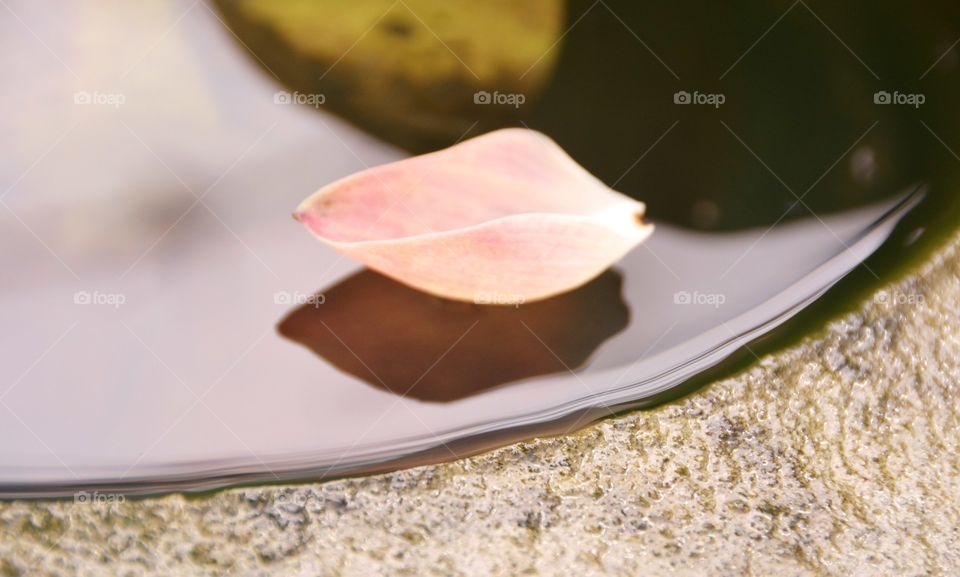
(168, 326)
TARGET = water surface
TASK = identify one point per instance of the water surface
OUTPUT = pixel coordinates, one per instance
(166, 325)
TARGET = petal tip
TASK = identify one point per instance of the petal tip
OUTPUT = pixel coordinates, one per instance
(306, 218)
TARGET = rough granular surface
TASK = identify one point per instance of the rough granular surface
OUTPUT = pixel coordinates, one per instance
(839, 456)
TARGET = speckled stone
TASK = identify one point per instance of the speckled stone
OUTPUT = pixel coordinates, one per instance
(839, 456)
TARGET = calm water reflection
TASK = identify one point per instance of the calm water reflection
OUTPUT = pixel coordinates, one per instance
(417, 345)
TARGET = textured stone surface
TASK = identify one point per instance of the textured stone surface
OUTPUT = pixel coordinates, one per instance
(836, 457)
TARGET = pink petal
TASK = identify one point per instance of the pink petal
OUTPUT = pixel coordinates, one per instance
(507, 216)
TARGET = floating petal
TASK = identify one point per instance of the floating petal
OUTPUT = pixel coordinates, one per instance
(504, 218)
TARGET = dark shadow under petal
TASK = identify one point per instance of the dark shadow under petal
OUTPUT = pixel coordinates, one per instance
(417, 345)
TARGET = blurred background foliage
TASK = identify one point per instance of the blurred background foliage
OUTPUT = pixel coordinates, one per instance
(798, 121)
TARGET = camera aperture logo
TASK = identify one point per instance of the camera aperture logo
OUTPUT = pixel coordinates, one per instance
(711, 99)
(314, 100)
(114, 99)
(716, 300)
(298, 298)
(883, 97)
(503, 98)
(115, 300)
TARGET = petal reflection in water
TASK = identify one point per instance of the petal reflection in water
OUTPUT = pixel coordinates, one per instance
(420, 346)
